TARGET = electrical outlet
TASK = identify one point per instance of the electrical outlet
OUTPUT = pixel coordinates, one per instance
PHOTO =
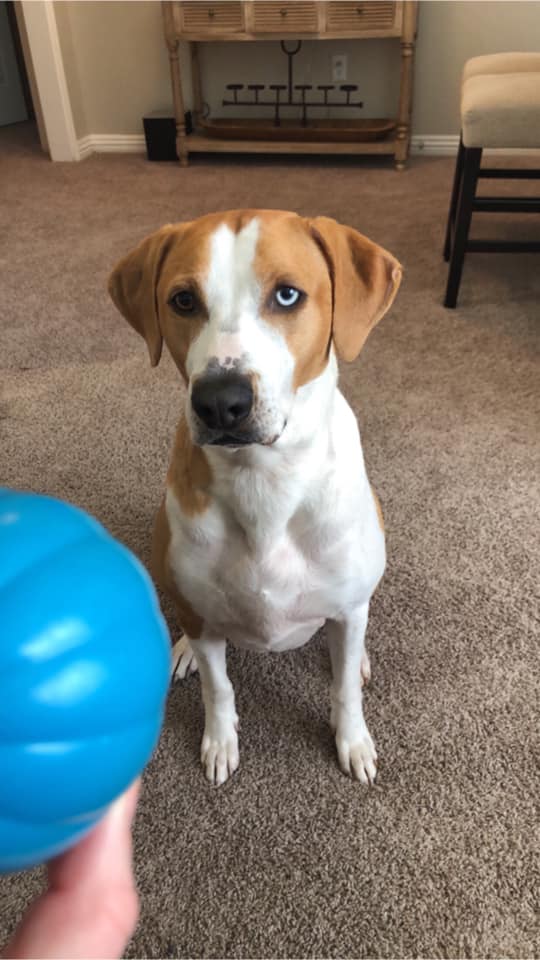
(339, 68)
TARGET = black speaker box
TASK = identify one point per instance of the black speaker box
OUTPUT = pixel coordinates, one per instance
(160, 134)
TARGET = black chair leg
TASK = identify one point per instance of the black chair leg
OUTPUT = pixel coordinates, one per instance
(454, 200)
(472, 157)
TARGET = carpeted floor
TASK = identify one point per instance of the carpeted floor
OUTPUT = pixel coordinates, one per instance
(291, 859)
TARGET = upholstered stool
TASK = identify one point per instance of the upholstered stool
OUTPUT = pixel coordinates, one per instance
(500, 107)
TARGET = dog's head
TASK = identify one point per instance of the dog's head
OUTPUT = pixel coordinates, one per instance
(250, 304)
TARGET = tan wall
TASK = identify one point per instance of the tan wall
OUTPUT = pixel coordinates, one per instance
(117, 67)
(451, 31)
(116, 62)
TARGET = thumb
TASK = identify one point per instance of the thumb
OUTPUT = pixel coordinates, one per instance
(91, 907)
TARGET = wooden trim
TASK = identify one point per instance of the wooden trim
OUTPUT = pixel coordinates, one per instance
(44, 46)
(202, 37)
(249, 17)
(112, 143)
(321, 18)
(135, 143)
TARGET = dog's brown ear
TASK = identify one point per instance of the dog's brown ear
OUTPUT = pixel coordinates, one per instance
(133, 285)
(365, 279)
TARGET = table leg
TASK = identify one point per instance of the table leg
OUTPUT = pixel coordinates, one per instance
(403, 134)
(181, 139)
(196, 83)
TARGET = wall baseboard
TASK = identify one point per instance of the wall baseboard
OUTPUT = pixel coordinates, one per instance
(111, 143)
(85, 147)
(428, 145)
(434, 145)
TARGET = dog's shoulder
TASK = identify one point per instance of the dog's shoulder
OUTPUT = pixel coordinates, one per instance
(191, 622)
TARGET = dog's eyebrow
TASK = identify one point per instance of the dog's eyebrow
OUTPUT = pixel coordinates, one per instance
(186, 283)
(278, 278)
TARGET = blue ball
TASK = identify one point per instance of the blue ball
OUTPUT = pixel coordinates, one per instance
(84, 672)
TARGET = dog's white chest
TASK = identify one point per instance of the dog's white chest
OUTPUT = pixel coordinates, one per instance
(277, 602)
(274, 596)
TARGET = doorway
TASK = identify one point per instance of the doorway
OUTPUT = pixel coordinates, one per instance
(15, 97)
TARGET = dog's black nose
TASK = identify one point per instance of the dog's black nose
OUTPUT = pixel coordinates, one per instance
(224, 401)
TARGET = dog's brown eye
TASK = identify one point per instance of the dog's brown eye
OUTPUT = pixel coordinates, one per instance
(184, 301)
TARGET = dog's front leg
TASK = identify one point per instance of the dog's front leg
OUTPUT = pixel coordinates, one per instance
(355, 748)
(219, 748)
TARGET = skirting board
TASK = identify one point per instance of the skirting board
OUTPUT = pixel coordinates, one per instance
(442, 146)
(111, 143)
(433, 145)
(446, 146)
(421, 145)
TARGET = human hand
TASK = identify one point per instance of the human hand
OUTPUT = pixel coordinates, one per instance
(90, 908)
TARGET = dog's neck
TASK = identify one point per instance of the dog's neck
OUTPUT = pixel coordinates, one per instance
(263, 487)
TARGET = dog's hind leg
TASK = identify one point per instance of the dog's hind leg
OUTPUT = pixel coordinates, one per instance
(184, 661)
(355, 748)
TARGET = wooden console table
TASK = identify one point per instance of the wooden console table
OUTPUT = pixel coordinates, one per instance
(252, 20)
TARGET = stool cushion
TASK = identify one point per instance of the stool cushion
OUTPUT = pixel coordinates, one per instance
(501, 109)
(502, 63)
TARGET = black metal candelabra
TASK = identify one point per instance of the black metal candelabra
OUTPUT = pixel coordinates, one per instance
(288, 100)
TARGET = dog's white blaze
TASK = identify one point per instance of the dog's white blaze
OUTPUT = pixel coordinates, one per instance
(236, 331)
(231, 287)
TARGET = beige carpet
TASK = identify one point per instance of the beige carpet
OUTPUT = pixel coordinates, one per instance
(291, 859)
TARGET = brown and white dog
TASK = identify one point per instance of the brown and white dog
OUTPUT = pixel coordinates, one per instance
(268, 528)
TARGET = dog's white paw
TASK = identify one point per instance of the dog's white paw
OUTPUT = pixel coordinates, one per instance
(356, 753)
(183, 660)
(219, 750)
(365, 669)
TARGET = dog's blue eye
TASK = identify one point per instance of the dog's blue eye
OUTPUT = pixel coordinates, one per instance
(184, 301)
(287, 297)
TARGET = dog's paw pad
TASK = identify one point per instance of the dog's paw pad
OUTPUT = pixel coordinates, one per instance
(183, 660)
